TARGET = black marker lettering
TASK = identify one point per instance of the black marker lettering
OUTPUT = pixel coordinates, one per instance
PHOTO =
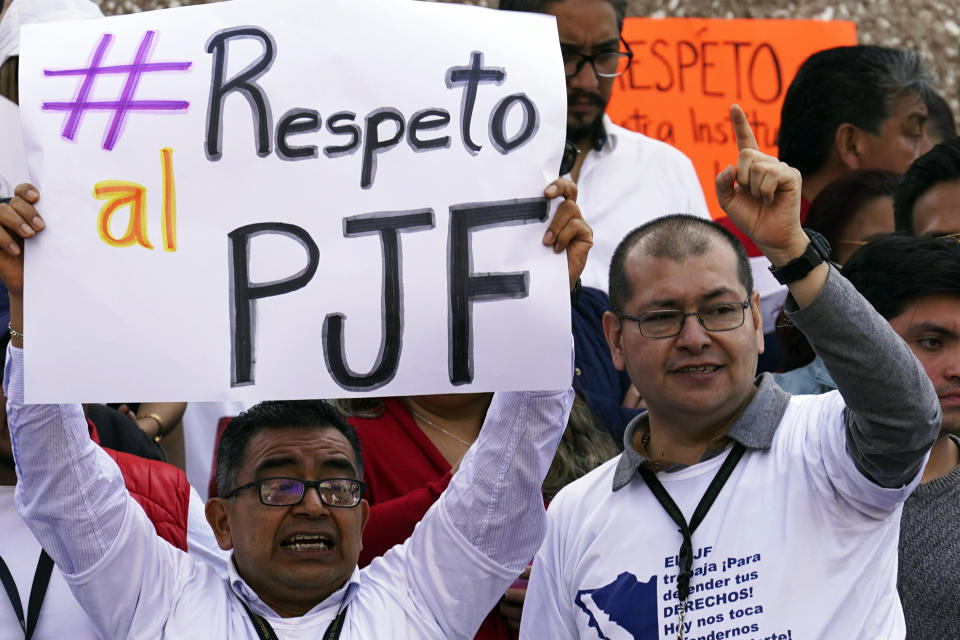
(467, 286)
(388, 225)
(372, 144)
(471, 77)
(293, 122)
(245, 83)
(426, 120)
(531, 122)
(335, 127)
(243, 293)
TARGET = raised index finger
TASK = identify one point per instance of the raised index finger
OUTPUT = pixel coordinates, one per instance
(741, 127)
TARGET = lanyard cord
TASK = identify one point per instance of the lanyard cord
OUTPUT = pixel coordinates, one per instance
(41, 579)
(686, 530)
(266, 632)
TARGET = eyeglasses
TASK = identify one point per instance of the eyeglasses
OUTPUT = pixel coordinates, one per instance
(606, 64)
(286, 492)
(666, 323)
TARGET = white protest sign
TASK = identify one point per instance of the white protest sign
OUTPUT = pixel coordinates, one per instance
(293, 199)
(13, 165)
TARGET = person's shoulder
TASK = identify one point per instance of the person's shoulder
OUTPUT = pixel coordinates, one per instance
(828, 403)
(810, 416)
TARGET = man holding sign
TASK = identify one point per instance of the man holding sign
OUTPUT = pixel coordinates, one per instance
(773, 495)
(294, 513)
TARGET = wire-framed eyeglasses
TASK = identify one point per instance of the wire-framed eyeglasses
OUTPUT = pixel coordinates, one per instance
(666, 323)
(286, 492)
(606, 64)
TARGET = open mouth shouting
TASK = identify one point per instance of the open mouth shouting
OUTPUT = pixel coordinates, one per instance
(308, 542)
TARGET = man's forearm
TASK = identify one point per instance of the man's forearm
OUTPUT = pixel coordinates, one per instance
(69, 492)
(494, 500)
(893, 414)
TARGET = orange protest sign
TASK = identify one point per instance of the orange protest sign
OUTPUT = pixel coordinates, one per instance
(686, 73)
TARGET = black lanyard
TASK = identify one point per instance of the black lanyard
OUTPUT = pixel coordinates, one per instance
(266, 632)
(686, 530)
(41, 579)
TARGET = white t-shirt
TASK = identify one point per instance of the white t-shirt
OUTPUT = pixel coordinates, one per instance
(61, 615)
(799, 545)
(633, 179)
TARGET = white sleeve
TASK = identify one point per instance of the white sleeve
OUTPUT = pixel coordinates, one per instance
(69, 492)
(201, 543)
(479, 536)
(72, 496)
(697, 204)
(826, 446)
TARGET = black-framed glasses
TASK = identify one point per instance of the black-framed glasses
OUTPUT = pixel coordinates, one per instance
(286, 492)
(666, 323)
(606, 64)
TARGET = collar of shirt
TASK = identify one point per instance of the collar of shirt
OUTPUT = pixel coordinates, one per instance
(338, 599)
(754, 428)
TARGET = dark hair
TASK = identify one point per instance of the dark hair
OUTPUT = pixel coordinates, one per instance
(940, 164)
(9, 79)
(540, 6)
(895, 271)
(940, 117)
(266, 416)
(676, 236)
(838, 203)
(845, 84)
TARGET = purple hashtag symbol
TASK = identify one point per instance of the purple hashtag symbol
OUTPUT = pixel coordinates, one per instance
(82, 103)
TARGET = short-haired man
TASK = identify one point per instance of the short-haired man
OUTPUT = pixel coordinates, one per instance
(624, 178)
(291, 509)
(915, 284)
(737, 509)
(859, 107)
(927, 203)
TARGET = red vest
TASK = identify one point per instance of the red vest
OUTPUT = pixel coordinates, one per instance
(160, 488)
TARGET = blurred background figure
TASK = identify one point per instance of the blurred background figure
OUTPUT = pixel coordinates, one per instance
(915, 284)
(861, 107)
(928, 201)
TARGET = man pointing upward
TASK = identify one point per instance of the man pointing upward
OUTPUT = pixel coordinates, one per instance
(732, 497)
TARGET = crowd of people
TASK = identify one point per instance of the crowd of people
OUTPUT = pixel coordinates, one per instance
(680, 488)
